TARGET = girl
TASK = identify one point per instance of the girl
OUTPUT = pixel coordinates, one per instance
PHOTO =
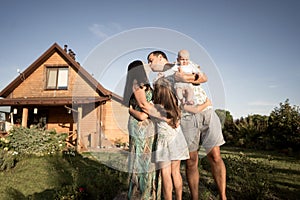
(171, 145)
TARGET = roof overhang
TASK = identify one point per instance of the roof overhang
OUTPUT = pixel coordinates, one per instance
(53, 101)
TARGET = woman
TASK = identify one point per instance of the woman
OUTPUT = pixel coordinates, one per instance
(144, 180)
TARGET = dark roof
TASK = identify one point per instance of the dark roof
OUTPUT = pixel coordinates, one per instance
(117, 98)
(52, 101)
(75, 65)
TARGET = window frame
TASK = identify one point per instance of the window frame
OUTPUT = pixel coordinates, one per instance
(58, 76)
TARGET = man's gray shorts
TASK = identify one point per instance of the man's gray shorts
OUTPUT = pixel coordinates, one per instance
(202, 128)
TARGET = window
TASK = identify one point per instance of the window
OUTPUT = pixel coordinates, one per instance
(57, 78)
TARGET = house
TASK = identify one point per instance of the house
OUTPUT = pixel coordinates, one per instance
(56, 92)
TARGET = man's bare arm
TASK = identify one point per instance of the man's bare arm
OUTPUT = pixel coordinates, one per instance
(198, 78)
(197, 108)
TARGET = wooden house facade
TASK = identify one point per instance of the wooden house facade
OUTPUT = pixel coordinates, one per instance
(56, 92)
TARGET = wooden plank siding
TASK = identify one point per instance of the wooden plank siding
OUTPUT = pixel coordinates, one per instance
(100, 113)
(34, 85)
(60, 120)
(115, 121)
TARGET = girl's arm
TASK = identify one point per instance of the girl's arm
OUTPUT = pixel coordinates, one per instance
(197, 108)
(141, 116)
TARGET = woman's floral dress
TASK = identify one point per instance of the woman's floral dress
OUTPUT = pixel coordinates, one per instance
(144, 179)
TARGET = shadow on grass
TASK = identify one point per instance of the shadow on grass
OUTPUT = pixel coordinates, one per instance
(72, 176)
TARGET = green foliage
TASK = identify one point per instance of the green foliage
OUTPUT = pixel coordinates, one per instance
(35, 141)
(245, 178)
(71, 192)
(280, 130)
(228, 125)
(250, 131)
(284, 128)
(8, 159)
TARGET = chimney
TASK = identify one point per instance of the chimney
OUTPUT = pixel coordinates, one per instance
(72, 54)
(65, 48)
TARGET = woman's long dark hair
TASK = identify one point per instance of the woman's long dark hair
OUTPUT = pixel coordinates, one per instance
(135, 75)
(164, 96)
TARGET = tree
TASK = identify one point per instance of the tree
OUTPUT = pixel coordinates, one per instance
(284, 126)
(228, 126)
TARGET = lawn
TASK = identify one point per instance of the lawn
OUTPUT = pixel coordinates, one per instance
(253, 174)
(250, 175)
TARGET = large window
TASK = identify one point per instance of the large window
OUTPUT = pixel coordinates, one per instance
(57, 78)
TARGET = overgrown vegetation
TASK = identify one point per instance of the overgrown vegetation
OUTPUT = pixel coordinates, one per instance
(279, 131)
(256, 174)
(34, 141)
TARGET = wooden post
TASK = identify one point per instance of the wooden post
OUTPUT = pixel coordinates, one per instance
(24, 117)
(100, 127)
(79, 117)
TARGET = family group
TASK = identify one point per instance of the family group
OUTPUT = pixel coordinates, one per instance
(170, 118)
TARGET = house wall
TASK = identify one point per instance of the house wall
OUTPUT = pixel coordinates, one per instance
(60, 120)
(34, 85)
(114, 116)
(115, 121)
(89, 126)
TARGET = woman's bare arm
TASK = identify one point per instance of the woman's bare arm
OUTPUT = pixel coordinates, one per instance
(141, 116)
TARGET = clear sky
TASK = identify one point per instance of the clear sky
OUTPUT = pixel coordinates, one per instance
(254, 45)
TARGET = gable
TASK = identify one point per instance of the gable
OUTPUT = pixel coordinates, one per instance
(32, 82)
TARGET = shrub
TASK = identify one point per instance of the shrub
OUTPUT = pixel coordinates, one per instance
(249, 177)
(71, 192)
(8, 159)
(34, 141)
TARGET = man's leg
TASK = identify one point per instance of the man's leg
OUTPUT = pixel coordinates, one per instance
(190, 128)
(192, 174)
(218, 170)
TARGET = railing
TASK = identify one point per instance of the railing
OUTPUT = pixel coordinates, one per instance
(2, 126)
(72, 139)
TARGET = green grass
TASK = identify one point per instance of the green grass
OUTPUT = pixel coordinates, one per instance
(251, 174)
(34, 175)
(60, 176)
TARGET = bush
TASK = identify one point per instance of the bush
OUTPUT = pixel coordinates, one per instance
(8, 159)
(33, 141)
(71, 192)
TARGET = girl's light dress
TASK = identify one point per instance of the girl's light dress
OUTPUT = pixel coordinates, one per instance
(171, 144)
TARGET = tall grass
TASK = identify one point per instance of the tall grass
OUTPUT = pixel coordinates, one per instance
(253, 174)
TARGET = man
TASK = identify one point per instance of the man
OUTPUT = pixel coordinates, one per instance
(159, 63)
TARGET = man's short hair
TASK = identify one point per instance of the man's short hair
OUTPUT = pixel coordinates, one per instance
(157, 53)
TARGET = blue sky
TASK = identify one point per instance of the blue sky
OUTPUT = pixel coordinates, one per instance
(254, 45)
